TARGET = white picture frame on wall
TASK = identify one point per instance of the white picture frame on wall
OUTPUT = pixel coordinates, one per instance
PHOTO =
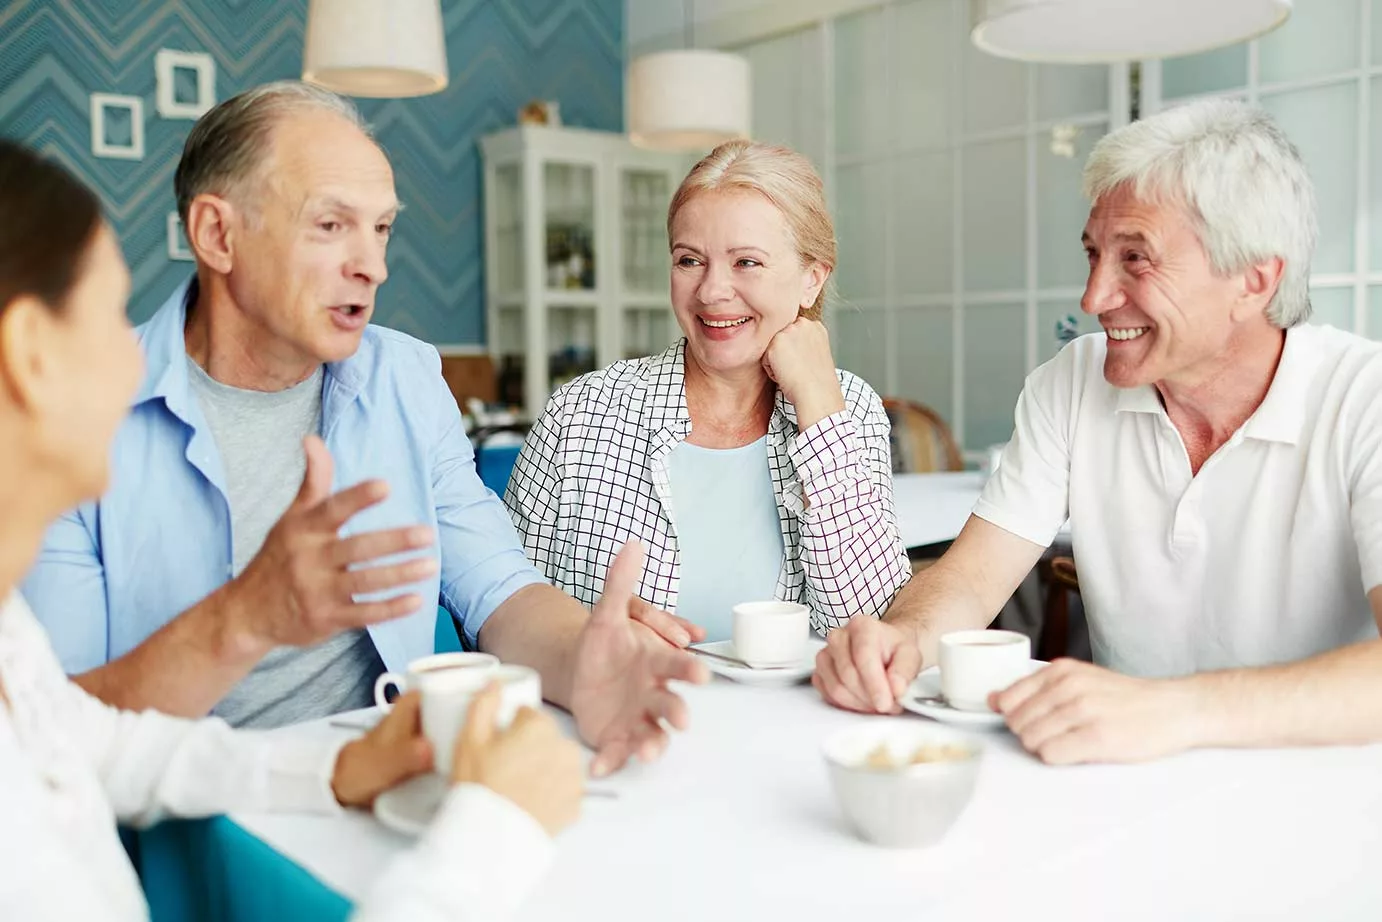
(178, 250)
(166, 65)
(101, 143)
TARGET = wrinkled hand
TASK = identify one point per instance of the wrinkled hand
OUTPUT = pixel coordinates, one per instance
(299, 589)
(619, 693)
(394, 751)
(867, 665)
(530, 763)
(1077, 712)
(799, 360)
(676, 631)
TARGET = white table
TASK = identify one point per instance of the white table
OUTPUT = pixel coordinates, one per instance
(737, 821)
(934, 507)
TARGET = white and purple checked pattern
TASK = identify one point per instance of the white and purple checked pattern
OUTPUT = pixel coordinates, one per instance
(593, 474)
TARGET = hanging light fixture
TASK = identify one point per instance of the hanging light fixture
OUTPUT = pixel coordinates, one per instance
(689, 100)
(375, 48)
(1106, 31)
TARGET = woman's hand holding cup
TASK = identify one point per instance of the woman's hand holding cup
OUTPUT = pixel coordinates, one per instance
(531, 762)
(799, 360)
(392, 752)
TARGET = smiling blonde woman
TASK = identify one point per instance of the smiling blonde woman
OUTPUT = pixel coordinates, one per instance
(741, 457)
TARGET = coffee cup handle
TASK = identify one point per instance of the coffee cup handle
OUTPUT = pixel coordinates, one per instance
(381, 685)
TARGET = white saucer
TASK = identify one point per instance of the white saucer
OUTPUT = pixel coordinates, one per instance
(773, 677)
(409, 807)
(928, 685)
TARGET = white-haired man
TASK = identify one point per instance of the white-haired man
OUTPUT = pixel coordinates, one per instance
(1219, 463)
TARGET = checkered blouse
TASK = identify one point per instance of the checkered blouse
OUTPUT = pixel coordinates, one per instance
(593, 474)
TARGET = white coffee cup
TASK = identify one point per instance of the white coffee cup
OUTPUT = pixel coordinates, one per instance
(446, 698)
(977, 663)
(482, 662)
(771, 633)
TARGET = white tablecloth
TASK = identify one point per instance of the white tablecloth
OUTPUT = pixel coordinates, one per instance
(737, 821)
(934, 507)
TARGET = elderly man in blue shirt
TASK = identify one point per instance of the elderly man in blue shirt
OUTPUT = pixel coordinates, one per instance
(221, 573)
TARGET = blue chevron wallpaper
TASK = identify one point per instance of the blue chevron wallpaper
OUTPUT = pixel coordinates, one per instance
(502, 53)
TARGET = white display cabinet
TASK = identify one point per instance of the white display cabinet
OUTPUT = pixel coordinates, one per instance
(576, 255)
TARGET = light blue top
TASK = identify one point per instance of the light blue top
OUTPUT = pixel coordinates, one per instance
(113, 572)
(728, 531)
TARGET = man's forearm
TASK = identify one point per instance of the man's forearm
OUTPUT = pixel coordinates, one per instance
(184, 668)
(1331, 699)
(537, 627)
(936, 601)
(966, 588)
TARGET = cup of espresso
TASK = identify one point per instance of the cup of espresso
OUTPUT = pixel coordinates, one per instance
(771, 633)
(977, 663)
(447, 694)
(481, 662)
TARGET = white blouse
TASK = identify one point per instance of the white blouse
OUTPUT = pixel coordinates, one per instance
(71, 767)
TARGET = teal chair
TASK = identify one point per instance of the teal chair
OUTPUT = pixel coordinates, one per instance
(446, 640)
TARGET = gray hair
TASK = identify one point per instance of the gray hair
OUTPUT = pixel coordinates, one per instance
(229, 143)
(1237, 174)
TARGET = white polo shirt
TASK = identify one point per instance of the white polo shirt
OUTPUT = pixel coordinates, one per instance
(1265, 556)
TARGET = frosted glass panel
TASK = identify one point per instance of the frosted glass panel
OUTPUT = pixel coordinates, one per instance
(1224, 69)
(862, 120)
(994, 370)
(1064, 90)
(787, 88)
(995, 91)
(925, 357)
(1320, 38)
(923, 47)
(1375, 312)
(995, 209)
(860, 345)
(1053, 321)
(923, 236)
(1377, 32)
(1375, 183)
(860, 208)
(1323, 123)
(1061, 207)
(1332, 307)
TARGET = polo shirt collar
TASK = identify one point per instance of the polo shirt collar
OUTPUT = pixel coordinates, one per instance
(1283, 412)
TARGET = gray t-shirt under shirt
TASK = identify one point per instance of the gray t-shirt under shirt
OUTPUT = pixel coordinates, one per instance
(260, 437)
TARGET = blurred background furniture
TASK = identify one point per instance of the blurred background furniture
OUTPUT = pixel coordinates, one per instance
(576, 260)
(1058, 575)
(921, 439)
(470, 376)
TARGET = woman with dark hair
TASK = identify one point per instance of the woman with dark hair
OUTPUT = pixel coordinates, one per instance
(71, 766)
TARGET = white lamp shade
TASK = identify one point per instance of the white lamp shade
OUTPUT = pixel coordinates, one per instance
(687, 100)
(379, 48)
(1105, 31)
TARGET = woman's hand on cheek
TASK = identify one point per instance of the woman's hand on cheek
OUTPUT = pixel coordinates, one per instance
(799, 360)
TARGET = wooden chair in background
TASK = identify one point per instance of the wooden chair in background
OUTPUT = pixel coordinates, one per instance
(922, 442)
(1061, 580)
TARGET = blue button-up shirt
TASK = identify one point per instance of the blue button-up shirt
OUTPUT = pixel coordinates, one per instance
(114, 571)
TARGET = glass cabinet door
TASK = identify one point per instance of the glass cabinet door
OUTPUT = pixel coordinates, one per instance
(508, 229)
(643, 199)
(571, 339)
(648, 330)
(510, 346)
(569, 197)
